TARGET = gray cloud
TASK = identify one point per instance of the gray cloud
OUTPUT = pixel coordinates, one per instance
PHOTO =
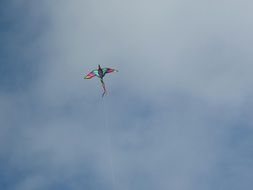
(177, 115)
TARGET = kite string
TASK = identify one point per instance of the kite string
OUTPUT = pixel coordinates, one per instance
(109, 144)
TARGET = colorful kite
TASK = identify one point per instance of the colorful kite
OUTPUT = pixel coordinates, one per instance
(100, 73)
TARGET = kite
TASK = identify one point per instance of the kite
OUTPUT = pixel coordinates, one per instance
(100, 73)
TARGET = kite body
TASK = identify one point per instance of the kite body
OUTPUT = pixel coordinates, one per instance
(100, 73)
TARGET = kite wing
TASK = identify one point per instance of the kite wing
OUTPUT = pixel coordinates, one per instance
(92, 74)
(108, 70)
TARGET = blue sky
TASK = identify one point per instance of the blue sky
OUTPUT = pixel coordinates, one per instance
(178, 113)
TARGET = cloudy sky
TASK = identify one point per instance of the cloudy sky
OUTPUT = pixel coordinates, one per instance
(178, 114)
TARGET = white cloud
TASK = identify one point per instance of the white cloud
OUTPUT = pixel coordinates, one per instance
(183, 85)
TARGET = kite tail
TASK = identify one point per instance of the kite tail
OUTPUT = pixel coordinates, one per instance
(103, 85)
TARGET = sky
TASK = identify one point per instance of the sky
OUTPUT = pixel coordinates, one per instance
(177, 114)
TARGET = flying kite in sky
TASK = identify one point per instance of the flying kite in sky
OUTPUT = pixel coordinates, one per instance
(100, 73)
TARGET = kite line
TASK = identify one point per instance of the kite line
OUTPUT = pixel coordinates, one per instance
(109, 145)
